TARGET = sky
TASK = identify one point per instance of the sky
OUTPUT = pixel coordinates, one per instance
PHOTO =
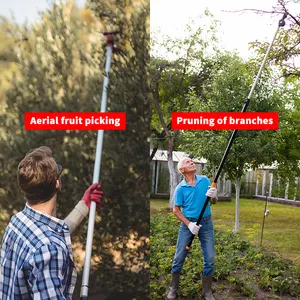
(26, 10)
(171, 16)
(237, 29)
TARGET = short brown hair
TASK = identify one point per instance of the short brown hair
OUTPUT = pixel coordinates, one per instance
(37, 175)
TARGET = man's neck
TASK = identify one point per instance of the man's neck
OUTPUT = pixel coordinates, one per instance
(190, 177)
(48, 207)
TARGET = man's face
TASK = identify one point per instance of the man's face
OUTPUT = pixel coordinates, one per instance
(188, 166)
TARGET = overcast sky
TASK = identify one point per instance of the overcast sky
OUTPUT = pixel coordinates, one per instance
(238, 29)
(26, 9)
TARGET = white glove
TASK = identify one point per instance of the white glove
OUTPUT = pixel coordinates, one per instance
(212, 193)
(194, 228)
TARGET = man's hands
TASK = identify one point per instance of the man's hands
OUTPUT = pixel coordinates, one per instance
(194, 228)
(93, 193)
(212, 193)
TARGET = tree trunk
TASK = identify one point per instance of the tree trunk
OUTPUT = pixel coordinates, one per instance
(174, 176)
(237, 204)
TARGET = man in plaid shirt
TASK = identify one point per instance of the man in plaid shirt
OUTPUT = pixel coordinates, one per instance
(36, 259)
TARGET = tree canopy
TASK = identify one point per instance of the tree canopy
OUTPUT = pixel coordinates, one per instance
(178, 66)
(284, 56)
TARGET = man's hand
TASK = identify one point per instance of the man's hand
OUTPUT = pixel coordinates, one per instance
(212, 193)
(81, 210)
(194, 228)
(93, 193)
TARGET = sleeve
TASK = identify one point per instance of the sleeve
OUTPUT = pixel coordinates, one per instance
(178, 196)
(47, 280)
(76, 216)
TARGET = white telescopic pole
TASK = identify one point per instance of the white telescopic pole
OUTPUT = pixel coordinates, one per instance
(92, 214)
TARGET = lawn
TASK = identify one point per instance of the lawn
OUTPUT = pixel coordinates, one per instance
(281, 230)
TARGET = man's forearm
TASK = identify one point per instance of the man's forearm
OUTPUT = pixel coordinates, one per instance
(76, 216)
(180, 216)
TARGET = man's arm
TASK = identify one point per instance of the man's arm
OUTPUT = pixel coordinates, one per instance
(76, 216)
(192, 226)
(81, 210)
(178, 200)
(180, 216)
(47, 276)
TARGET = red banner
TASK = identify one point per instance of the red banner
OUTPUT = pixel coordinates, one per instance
(75, 120)
(224, 120)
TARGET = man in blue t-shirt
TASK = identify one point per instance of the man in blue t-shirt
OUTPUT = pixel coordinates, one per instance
(189, 198)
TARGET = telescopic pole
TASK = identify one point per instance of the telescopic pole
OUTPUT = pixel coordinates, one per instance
(246, 103)
(92, 213)
(265, 214)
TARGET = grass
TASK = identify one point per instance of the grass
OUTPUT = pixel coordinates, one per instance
(242, 270)
(281, 230)
(157, 205)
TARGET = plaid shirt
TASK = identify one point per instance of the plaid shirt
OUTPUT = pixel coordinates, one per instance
(36, 258)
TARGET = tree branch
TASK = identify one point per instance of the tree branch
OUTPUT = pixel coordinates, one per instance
(257, 11)
(155, 100)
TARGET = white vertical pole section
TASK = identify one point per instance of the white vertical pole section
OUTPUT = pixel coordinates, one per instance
(263, 193)
(92, 214)
(256, 187)
(271, 184)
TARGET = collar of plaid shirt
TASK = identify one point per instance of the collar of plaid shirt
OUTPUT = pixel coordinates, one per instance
(36, 258)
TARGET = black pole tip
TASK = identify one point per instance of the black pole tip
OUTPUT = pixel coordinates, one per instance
(111, 32)
(282, 22)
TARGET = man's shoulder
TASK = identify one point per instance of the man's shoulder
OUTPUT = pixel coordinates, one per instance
(202, 177)
(16, 218)
(32, 233)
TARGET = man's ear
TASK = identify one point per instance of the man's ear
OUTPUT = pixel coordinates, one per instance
(58, 184)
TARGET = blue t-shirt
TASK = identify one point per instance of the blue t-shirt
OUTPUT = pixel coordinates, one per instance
(192, 198)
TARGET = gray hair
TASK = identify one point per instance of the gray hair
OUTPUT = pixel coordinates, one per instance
(180, 163)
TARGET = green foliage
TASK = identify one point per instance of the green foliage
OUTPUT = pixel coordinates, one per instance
(7, 59)
(246, 269)
(176, 66)
(288, 154)
(285, 47)
(61, 65)
(227, 90)
(57, 72)
(283, 57)
(124, 228)
(163, 234)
